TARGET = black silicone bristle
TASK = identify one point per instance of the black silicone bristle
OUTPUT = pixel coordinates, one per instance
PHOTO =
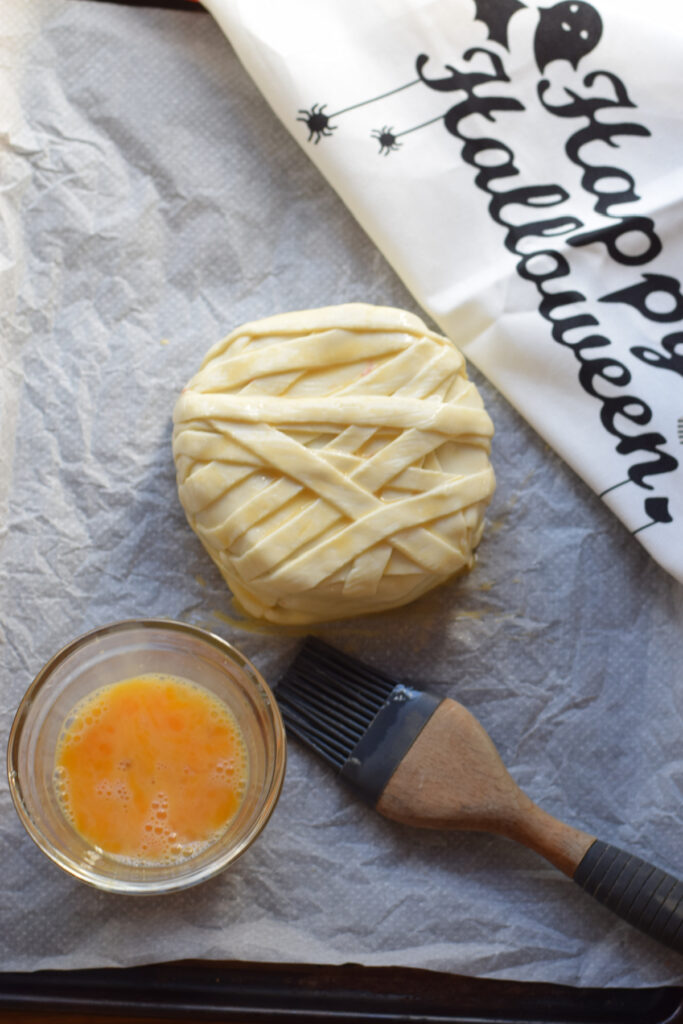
(329, 699)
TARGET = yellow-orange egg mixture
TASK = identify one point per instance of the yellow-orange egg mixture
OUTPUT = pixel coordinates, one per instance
(150, 769)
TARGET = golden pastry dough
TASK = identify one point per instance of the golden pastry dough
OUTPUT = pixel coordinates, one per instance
(333, 462)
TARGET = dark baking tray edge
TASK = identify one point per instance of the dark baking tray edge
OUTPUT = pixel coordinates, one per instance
(171, 5)
(248, 992)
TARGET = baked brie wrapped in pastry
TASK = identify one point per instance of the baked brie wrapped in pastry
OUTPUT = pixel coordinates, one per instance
(333, 462)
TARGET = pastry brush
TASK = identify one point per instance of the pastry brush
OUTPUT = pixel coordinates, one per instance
(428, 762)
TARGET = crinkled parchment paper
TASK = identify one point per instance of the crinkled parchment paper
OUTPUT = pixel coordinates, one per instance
(150, 202)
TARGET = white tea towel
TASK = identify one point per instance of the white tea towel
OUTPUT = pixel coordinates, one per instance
(521, 168)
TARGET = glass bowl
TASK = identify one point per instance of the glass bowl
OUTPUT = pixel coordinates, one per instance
(110, 654)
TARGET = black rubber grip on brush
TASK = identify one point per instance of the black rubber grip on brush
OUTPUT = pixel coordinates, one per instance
(645, 896)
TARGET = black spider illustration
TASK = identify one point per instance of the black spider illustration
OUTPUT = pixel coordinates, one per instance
(387, 140)
(317, 122)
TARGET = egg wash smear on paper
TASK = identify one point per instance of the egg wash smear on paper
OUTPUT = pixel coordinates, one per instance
(151, 768)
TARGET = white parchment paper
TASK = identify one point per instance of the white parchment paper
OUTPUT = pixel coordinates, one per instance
(150, 202)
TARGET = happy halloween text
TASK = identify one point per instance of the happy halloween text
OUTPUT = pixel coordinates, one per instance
(599, 373)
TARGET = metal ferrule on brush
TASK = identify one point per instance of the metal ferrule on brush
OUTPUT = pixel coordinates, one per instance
(359, 720)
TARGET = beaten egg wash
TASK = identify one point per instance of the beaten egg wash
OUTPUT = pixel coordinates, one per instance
(150, 769)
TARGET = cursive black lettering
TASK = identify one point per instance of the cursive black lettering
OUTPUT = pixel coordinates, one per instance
(672, 345)
(651, 286)
(467, 82)
(628, 240)
(644, 243)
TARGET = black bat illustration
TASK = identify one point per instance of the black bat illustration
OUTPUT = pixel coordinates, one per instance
(496, 15)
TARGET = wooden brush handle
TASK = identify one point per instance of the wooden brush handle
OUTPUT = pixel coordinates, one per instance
(453, 777)
(646, 896)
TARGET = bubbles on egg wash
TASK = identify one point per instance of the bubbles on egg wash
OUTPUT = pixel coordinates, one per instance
(151, 769)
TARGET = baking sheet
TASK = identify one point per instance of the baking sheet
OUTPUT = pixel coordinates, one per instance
(197, 991)
(150, 203)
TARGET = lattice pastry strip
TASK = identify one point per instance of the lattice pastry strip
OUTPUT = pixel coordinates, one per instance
(333, 462)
